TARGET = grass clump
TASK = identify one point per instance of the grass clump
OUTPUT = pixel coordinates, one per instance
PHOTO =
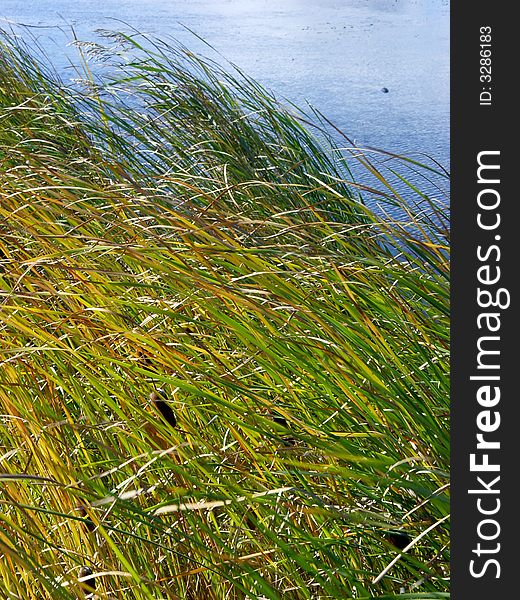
(223, 375)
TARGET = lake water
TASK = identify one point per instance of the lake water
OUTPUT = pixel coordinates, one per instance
(338, 55)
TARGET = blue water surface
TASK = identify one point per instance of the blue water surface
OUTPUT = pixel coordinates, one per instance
(378, 69)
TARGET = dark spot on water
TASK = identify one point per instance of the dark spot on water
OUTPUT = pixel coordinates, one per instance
(385, 90)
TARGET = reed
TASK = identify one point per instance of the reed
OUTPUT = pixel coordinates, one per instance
(210, 344)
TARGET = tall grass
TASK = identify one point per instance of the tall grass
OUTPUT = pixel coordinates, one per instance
(173, 236)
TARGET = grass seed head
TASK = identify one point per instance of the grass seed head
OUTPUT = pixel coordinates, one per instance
(82, 511)
(159, 401)
(89, 584)
(398, 539)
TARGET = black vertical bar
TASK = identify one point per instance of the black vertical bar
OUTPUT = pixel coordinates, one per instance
(485, 522)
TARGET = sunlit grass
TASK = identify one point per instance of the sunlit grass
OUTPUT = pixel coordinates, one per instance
(222, 375)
